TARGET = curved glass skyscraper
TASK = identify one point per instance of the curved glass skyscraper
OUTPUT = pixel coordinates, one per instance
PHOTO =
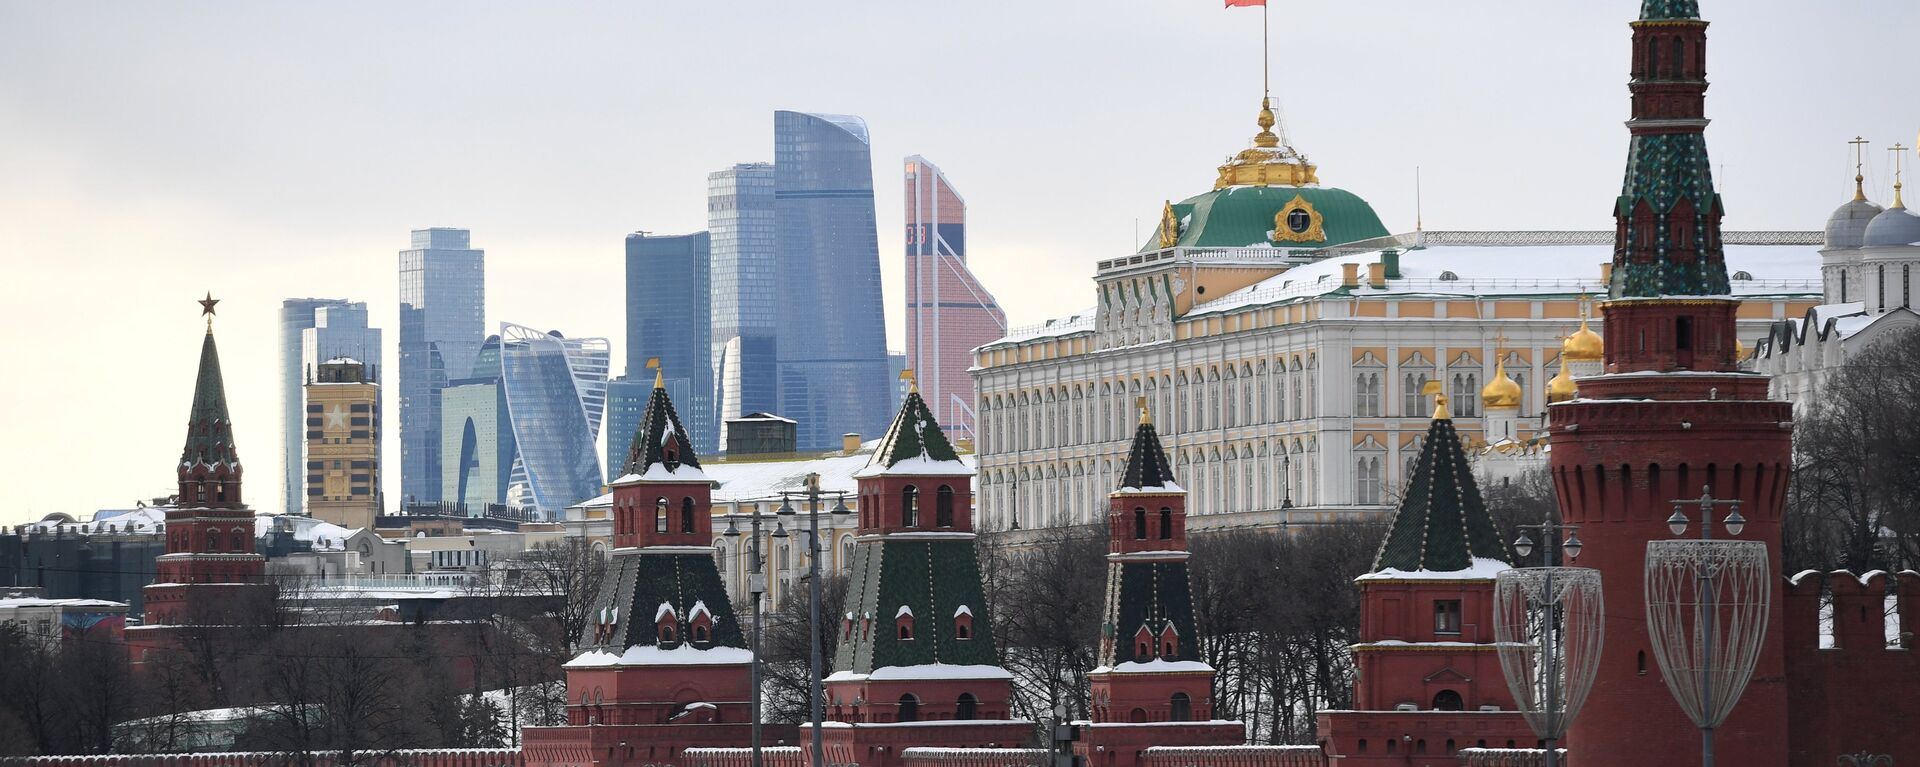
(832, 334)
(556, 392)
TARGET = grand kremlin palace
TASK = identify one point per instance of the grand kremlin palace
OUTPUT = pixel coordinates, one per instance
(1282, 337)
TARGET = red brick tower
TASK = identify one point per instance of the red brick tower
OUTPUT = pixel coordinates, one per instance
(1429, 680)
(210, 575)
(1671, 414)
(1151, 688)
(666, 666)
(916, 665)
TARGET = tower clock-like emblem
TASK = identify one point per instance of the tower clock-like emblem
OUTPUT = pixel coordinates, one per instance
(1298, 221)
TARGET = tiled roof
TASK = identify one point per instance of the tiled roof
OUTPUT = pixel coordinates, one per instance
(1442, 524)
(660, 440)
(914, 434)
(1147, 461)
(209, 429)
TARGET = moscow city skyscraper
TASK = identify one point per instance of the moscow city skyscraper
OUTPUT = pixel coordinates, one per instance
(740, 220)
(668, 317)
(556, 391)
(948, 312)
(831, 340)
(313, 330)
(442, 303)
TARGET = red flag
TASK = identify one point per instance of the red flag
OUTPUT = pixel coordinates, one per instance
(1245, 3)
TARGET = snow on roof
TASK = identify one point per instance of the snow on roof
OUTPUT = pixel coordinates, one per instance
(924, 671)
(921, 466)
(1078, 322)
(749, 480)
(1156, 666)
(660, 473)
(652, 655)
(665, 610)
(962, 610)
(1492, 270)
(1483, 568)
(903, 612)
(1163, 488)
(699, 607)
(10, 603)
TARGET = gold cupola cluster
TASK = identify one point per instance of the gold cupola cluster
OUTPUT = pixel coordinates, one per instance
(1269, 162)
(1581, 346)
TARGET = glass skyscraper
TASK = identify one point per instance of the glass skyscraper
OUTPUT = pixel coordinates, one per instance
(476, 435)
(627, 398)
(668, 318)
(831, 337)
(442, 302)
(948, 312)
(296, 315)
(744, 289)
(556, 396)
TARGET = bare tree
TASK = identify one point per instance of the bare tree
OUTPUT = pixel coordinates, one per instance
(1854, 501)
(785, 682)
(1047, 599)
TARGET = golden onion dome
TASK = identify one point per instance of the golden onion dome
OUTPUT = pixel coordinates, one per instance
(1560, 388)
(1502, 391)
(1584, 345)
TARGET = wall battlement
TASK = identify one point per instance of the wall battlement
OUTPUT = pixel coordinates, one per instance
(1831, 712)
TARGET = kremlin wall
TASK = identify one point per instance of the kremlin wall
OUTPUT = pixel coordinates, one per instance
(1658, 410)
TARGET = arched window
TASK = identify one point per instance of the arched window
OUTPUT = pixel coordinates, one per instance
(909, 709)
(1166, 523)
(666, 631)
(1138, 716)
(700, 633)
(1139, 523)
(967, 707)
(910, 506)
(1181, 708)
(1679, 58)
(213, 540)
(1448, 700)
(943, 506)
(686, 514)
(660, 515)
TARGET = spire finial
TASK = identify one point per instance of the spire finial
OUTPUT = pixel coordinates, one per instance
(913, 381)
(1146, 418)
(1899, 153)
(1438, 393)
(659, 372)
(1266, 137)
(1859, 180)
(206, 309)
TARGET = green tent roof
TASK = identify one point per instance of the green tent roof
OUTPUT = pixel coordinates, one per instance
(209, 429)
(1669, 9)
(1442, 524)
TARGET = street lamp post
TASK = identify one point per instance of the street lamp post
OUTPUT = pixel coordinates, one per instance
(1558, 610)
(757, 586)
(817, 690)
(1705, 641)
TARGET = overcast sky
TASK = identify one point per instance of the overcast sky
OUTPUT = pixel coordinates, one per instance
(150, 152)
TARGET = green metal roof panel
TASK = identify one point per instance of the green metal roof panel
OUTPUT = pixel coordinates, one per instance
(209, 429)
(1242, 216)
(890, 574)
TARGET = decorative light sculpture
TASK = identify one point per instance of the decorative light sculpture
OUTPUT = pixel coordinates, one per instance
(1707, 604)
(1547, 625)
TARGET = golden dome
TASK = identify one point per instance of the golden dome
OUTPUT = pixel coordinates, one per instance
(1561, 388)
(1501, 391)
(1583, 346)
(1271, 161)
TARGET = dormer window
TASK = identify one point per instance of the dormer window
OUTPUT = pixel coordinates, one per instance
(700, 623)
(1169, 643)
(1143, 642)
(903, 623)
(664, 624)
(963, 623)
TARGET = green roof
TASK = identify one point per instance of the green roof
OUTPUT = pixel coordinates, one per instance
(1442, 524)
(1651, 10)
(1146, 460)
(931, 579)
(660, 430)
(638, 584)
(914, 434)
(209, 429)
(1240, 216)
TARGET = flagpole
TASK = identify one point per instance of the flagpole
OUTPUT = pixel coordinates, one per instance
(1266, 88)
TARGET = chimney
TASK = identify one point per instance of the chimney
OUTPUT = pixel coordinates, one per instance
(1377, 275)
(1349, 275)
(1391, 258)
(850, 442)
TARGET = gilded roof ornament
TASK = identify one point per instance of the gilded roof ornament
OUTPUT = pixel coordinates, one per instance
(1169, 227)
(1271, 161)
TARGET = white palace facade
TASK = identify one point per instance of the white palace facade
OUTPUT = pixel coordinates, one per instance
(1282, 338)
